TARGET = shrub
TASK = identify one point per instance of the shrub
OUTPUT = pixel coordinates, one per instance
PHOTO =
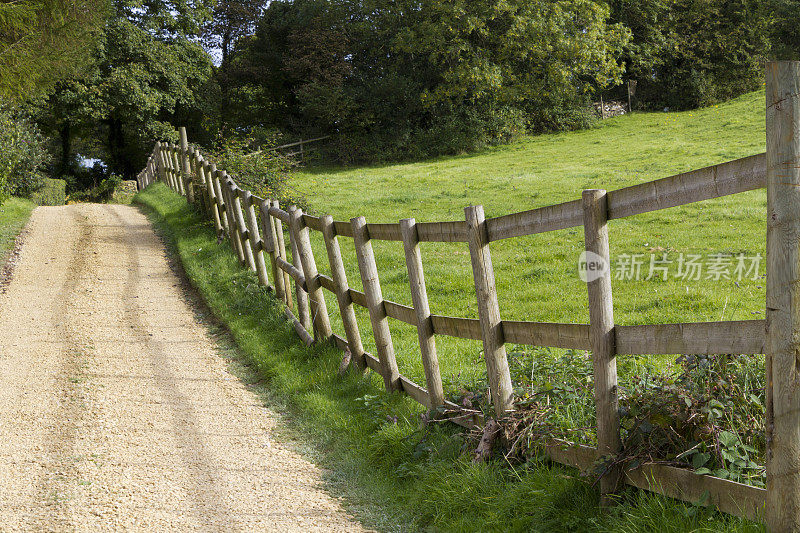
(101, 194)
(52, 192)
(265, 172)
(22, 154)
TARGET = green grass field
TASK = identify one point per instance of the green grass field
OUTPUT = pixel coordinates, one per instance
(14, 213)
(537, 275)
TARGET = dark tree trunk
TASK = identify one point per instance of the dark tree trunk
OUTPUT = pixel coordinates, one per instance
(65, 135)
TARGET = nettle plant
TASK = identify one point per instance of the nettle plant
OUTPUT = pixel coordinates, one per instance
(709, 416)
(704, 412)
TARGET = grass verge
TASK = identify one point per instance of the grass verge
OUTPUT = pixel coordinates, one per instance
(393, 473)
(14, 214)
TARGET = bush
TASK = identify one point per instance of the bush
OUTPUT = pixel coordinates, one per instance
(23, 154)
(52, 192)
(103, 193)
(264, 172)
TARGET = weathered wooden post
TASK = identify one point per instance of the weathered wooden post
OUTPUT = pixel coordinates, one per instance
(377, 311)
(280, 242)
(271, 247)
(216, 187)
(241, 225)
(186, 175)
(339, 275)
(303, 312)
(230, 214)
(176, 169)
(206, 172)
(419, 296)
(319, 309)
(783, 296)
(601, 331)
(494, 349)
(256, 244)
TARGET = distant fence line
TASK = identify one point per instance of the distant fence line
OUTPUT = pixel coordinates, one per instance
(255, 227)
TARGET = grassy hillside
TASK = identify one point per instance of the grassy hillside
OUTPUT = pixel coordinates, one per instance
(537, 275)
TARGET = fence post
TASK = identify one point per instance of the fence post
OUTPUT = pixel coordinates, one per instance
(346, 309)
(783, 296)
(186, 176)
(176, 170)
(494, 350)
(303, 312)
(271, 247)
(198, 176)
(163, 170)
(230, 214)
(206, 171)
(419, 296)
(319, 309)
(281, 242)
(377, 311)
(601, 331)
(256, 243)
(213, 182)
(241, 226)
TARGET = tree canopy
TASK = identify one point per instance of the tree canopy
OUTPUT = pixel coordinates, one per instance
(42, 41)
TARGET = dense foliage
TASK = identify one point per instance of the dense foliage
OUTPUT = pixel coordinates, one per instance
(23, 154)
(384, 80)
(687, 53)
(409, 79)
(148, 75)
(42, 41)
(51, 192)
(264, 172)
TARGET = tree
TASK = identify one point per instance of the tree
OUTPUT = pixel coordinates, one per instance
(147, 77)
(691, 53)
(231, 22)
(43, 41)
(409, 78)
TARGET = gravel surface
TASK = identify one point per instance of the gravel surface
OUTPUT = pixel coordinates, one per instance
(116, 410)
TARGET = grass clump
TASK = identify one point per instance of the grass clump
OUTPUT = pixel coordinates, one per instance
(394, 473)
(14, 213)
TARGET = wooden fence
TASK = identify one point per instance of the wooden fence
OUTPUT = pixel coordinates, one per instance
(256, 228)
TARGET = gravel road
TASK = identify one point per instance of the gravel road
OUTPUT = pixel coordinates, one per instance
(116, 410)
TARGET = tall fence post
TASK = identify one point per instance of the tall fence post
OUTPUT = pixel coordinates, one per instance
(419, 296)
(319, 309)
(271, 247)
(186, 176)
(601, 332)
(346, 308)
(783, 296)
(256, 243)
(241, 225)
(205, 171)
(377, 311)
(303, 311)
(281, 243)
(176, 169)
(230, 214)
(222, 208)
(494, 349)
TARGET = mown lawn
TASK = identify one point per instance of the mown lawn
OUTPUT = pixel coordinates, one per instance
(393, 473)
(537, 276)
(14, 213)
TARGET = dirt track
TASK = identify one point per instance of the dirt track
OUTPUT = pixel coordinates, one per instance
(116, 411)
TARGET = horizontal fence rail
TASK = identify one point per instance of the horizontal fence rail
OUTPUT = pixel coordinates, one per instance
(261, 231)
